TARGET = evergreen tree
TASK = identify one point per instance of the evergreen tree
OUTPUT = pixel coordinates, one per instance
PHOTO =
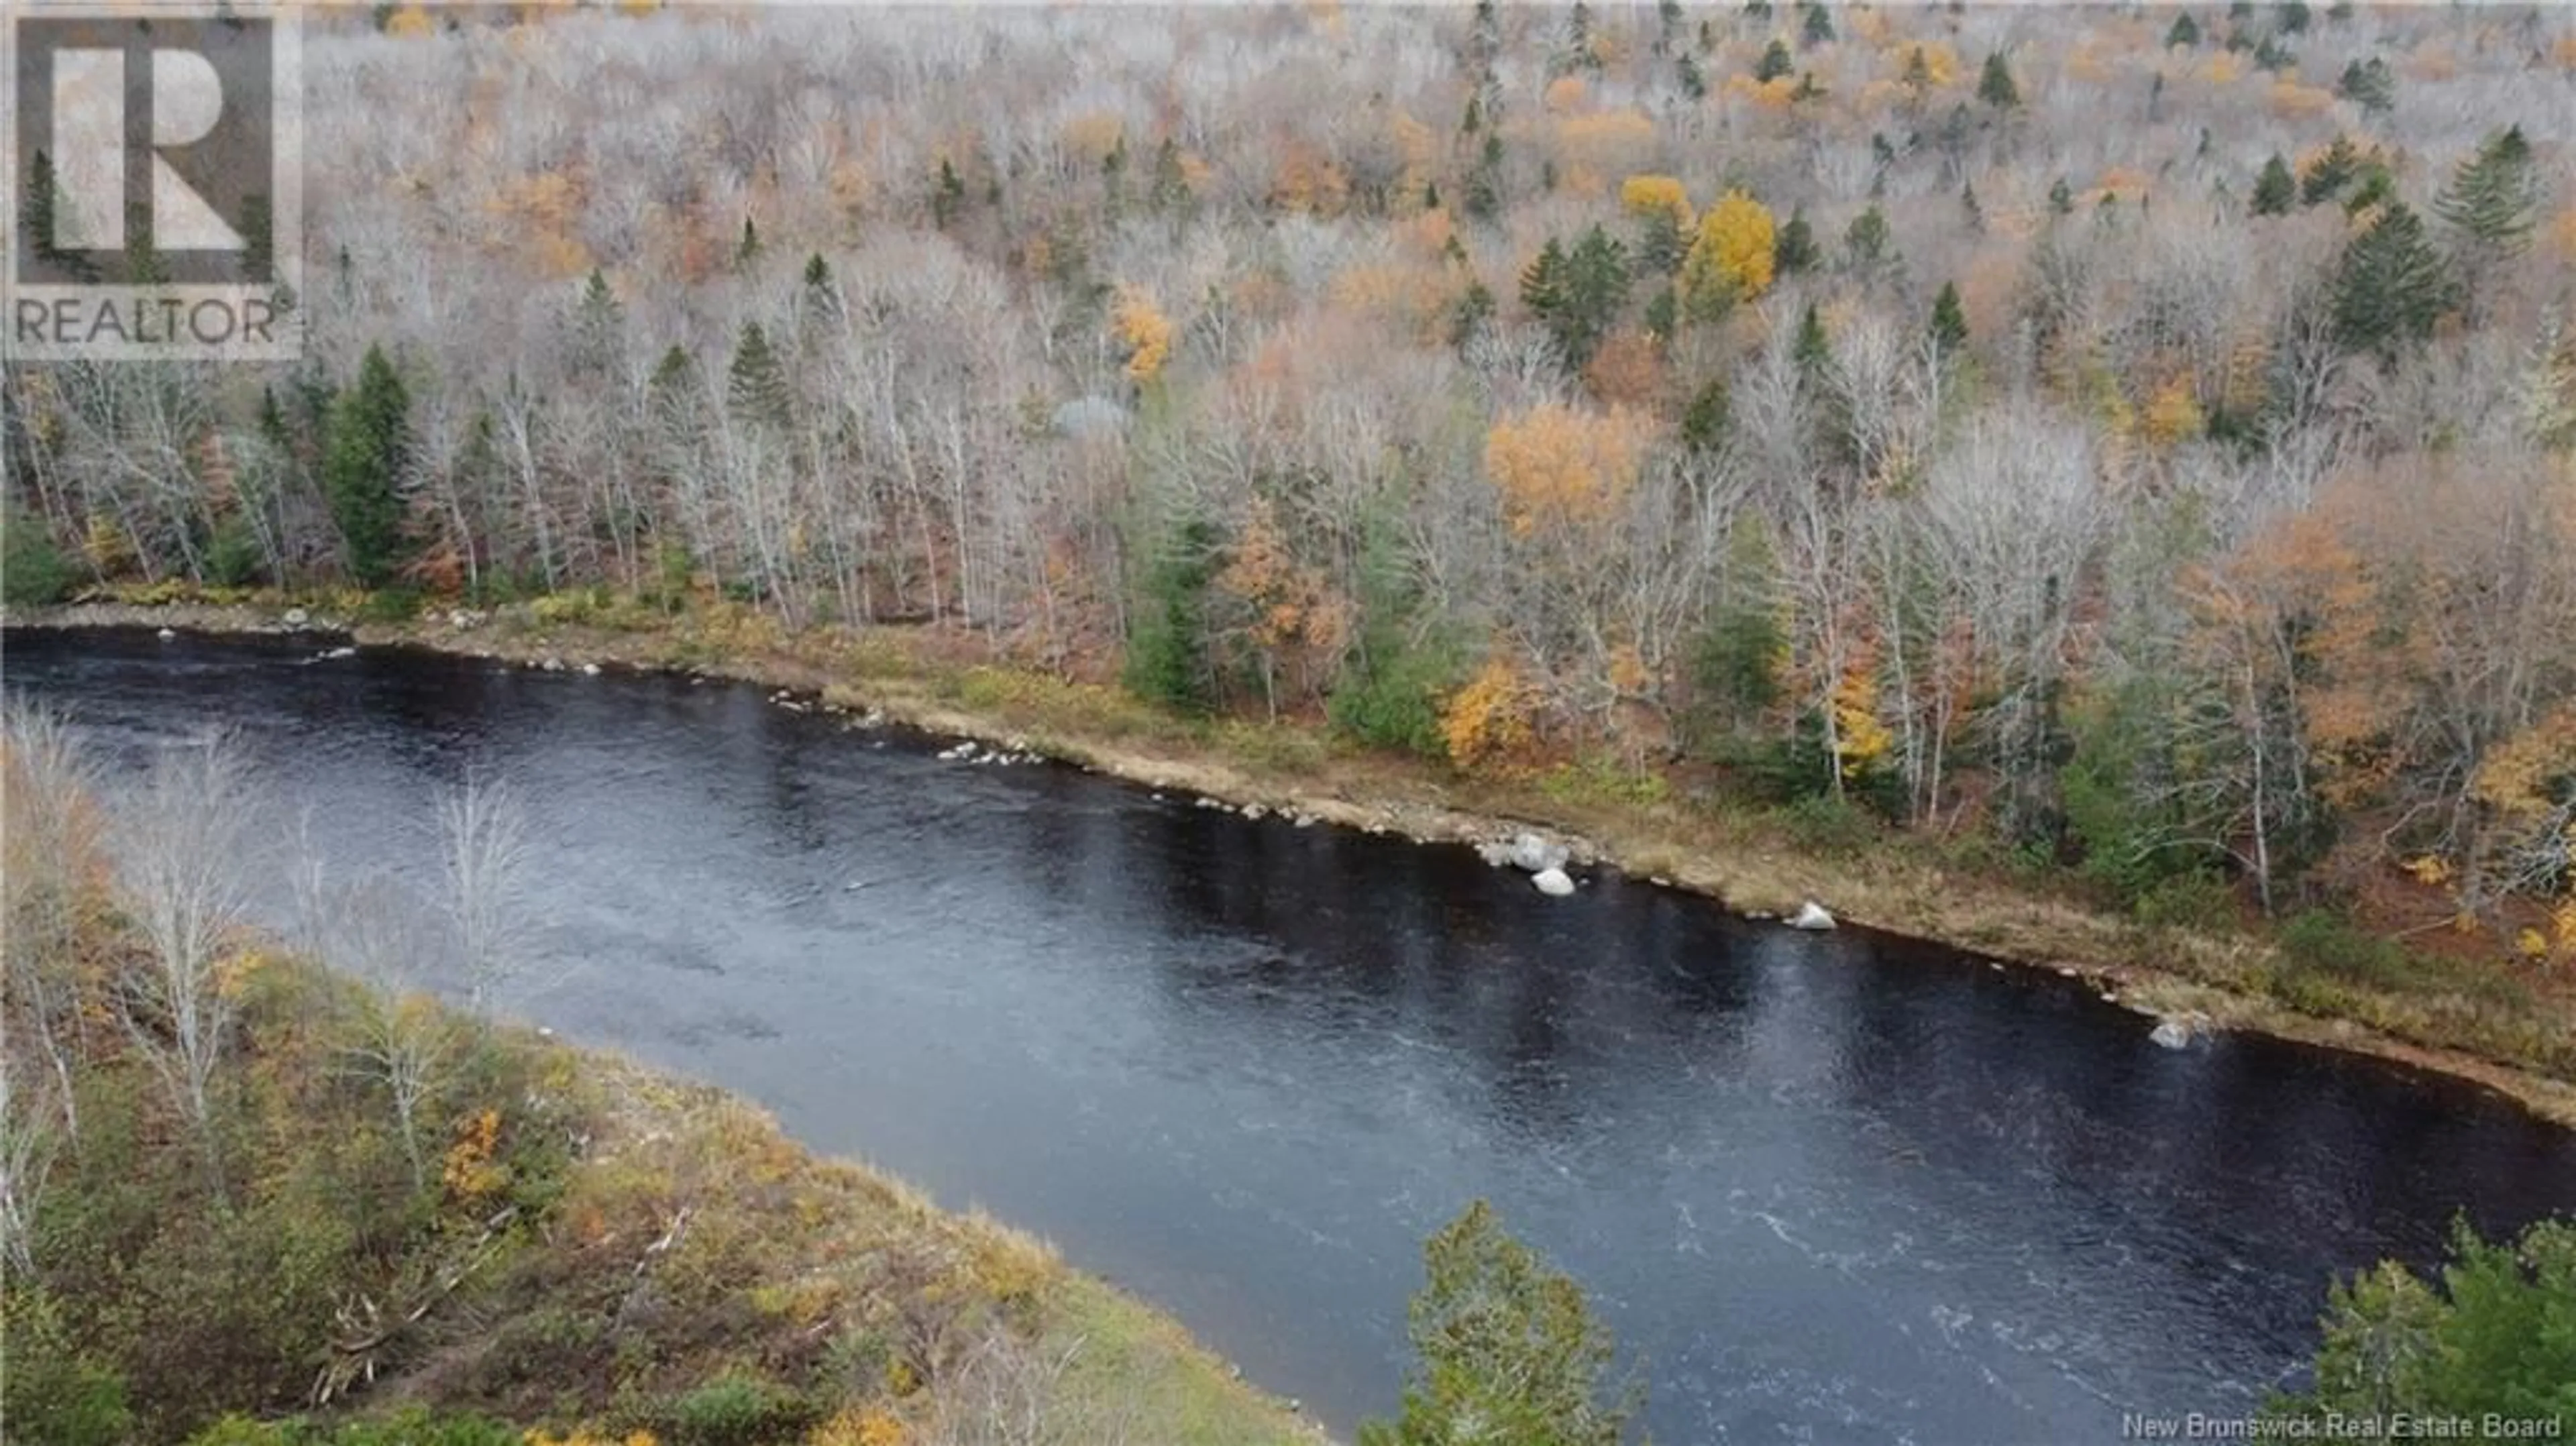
(1949, 320)
(1167, 642)
(2272, 55)
(1813, 351)
(1818, 28)
(1775, 62)
(2330, 173)
(365, 468)
(1970, 208)
(947, 195)
(1708, 418)
(1918, 72)
(2061, 198)
(1505, 1350)
(1794, 250)
(2369, 84)
(1865, 240)
(1170, 192)
(2276, 190)
(1469, 317)
(756, 388)
(1694, 82)
(1484, 196)
(748, 249)
(2293, 17)
(1578, 293)
(598, 326)
(1995, 87)
(2493, 200)
(2185, 32)
(1807, 88)
(2390, 287)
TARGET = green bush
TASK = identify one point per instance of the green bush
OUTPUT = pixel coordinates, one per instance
(392, 605)
(737, 1410)
(2328, 944)
(2186, 901)
(233, 555)
(1392, 700)
(33, 571)
(52, 1390)
(1829, 825)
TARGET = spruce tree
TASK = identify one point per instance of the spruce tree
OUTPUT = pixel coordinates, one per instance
(2493, 199)
(756, 387)
(1865, 240)
(2185, 33)
(1694, 81)
(1170, 191)
(1813, 352)
(1794, 250)
(2330, 173)
(598, 325)
(2390, 287)
(747, 250)
(1818, 28)
(365, 468)
(1949, 320)
(2276, 190)
(1484, 197)
(947, 195)
(1995, 87)
(2369, 84)
(1775, 62)
(2061, 198)
(1708, 418)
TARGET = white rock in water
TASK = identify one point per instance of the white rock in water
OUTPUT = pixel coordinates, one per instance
(590, 670)
(1496, 854)
(1811, 916)
(1537, 855)
(296, 617)
(2172, 1033)
(167, 635)
(1553, 882)
(1255, 812)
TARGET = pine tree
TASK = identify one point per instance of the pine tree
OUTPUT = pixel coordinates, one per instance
(1775, 62)
(1694, 82)
(2390, 287)
(1970, 207)
(365, 468)
(1794, 250)
(2330, 173)
(1506, 1350)
(748, 249)
(2493, 199)
(756, 389)
(1949, 320)
(1995, 87)
(1578, 293)
(1865, 240)
(598, 325)
(2276, 190)
(1484, 195)
(1475, 308)
(2369, 84)
(2185, 33)
(947, 195)
(1170, 192)
(1813, 351)
(1918, 72)
(1708, 418)
(1818, 27)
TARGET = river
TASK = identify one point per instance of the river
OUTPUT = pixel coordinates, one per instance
(1830, 1188)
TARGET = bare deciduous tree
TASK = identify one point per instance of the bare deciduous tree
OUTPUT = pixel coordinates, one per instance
(484, 848)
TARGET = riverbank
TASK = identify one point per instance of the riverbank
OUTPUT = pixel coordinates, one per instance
(370, 1205)
(2519, 1042)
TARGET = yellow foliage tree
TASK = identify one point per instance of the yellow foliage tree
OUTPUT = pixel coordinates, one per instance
(1144, 331)
(2173, 414)
(1646, 196)
(1490, 718)
(409, 21)
(1731, 259)
(1860, 739)
(1558, 466)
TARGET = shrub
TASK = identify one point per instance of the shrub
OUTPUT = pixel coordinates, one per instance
(52, 1390)
(1829, 825)
(1392, 700)
(2325, 943)
(33, 571)
(737, 1410)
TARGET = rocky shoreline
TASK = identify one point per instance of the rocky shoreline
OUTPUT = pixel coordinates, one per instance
(2179, 1012)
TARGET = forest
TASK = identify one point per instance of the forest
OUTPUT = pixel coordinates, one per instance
(2140, 440)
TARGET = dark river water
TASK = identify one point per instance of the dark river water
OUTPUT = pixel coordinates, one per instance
(1830, 1188)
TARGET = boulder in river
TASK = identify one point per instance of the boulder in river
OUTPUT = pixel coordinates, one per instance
(297, 617)
(1536, 854)
(1552, 881)
(2177, 1031)
(167, 635)
(1811, 916)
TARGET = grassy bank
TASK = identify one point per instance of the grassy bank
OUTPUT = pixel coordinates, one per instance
(374, 1220)
(2317, 980)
